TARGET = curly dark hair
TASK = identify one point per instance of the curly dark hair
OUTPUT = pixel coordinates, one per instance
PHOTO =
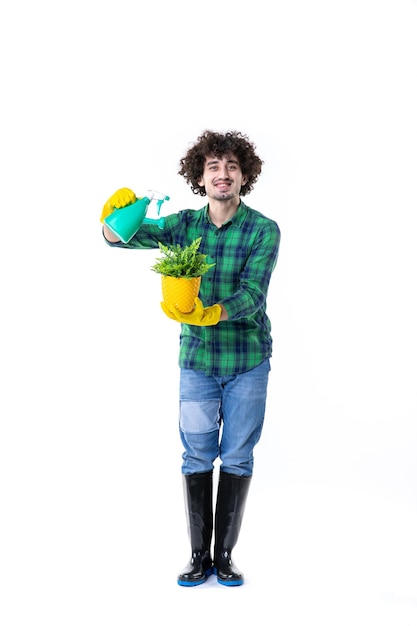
(219, 145)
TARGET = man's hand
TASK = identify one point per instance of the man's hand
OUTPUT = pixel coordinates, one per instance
(121, 198)
(200, 316)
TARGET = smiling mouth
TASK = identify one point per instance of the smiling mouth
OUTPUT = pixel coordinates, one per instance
(222, 186)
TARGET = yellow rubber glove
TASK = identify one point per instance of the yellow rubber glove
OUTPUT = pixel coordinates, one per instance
(121, 198)
(200, 316)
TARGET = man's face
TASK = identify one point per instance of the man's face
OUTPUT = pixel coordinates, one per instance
(222, 177)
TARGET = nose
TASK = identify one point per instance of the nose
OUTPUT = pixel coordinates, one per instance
(223, 171)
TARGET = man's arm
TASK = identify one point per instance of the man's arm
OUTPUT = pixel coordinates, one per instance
(109, 235)
(224, 316)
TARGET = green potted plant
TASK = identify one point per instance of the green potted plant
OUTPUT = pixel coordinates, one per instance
(181, 268)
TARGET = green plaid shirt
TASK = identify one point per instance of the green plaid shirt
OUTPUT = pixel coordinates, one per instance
(245, 251)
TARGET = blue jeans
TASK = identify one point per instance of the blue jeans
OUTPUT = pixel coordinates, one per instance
(222, 416)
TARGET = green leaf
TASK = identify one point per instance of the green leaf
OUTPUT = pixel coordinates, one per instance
(180, 261)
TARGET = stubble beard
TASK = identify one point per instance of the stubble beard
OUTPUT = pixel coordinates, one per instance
(224, 196)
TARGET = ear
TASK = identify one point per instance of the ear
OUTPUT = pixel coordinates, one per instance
(200, 182)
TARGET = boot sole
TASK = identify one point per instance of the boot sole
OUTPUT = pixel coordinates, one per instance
(230, 583)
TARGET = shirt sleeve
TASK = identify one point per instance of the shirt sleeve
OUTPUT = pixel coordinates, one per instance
(149, 235)
(256, 274)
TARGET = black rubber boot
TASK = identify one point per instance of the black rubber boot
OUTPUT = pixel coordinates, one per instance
(198, 497)
(231, 500)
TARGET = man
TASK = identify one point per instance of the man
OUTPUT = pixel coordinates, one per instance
(225, 343)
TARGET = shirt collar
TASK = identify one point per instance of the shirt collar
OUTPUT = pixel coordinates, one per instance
(238, 217)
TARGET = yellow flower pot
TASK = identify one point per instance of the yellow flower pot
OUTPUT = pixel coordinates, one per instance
(180, 292)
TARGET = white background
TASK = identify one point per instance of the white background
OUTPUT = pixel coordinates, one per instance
(96, 96)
